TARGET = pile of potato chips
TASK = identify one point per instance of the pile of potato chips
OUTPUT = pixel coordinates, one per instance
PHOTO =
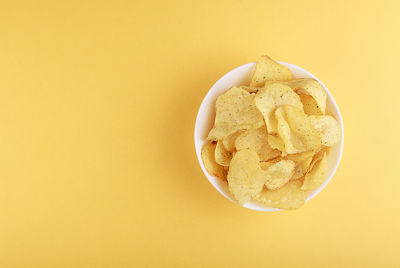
(270, 139)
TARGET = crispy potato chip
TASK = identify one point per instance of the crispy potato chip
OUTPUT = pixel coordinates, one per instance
(250, 89)
(316, 176)
(295, 129)
(310, 87)
(301, 170)
(310, 105)
(266, 165)
(300, 158)
(289, 196)
(235, 110)
(328, 128)
(244, 182)
(284, 130)
(272, 96)
(229, 141)
(222, 156)
(278, 174)
(303, 161)
(268, 69)
(277, 143)
(257, 140)
(317, 157)
(208, 157)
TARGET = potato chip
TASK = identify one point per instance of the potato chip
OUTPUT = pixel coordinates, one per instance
(268, 69)
(301, 170)
(316, 176)
(235, 110)
(222, 156)
(272, 96)
(277, 143)
(300, 157)
(303, 161)
(278, 174)
(310, 87)
(267, 164)
(310, 105)
(244, 182)
(250, 89)
(208, 157)
(317, 157)
(284, 130)
(257, 140)
(295, 129)
(328, 128)
(229, 141)
(289, 196)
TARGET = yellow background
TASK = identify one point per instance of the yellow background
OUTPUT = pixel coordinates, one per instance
(98, 101)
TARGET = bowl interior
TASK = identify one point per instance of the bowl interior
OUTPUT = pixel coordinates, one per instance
(206, 115)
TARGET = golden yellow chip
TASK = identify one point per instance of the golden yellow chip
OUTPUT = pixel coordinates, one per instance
(235, 110)
(267, 164)
(208, 157)
(316, 176)
(310, 87)
(289, 196)
(250, 89)
(303, 161)
(272, 96)
(277, 143)
(229, 141)
(317, 157)
(295, 129)
(310, 105)
(244, 182)
(222, 156)
(301, 170)
(268, 69)
(278, 174)
(328, 128)
(257, 140)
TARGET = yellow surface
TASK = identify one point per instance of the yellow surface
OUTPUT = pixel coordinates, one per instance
(97, 107)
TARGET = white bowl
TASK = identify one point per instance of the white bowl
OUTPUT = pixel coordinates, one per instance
(242, 76)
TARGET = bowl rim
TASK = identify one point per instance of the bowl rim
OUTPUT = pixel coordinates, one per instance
(335, 106)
